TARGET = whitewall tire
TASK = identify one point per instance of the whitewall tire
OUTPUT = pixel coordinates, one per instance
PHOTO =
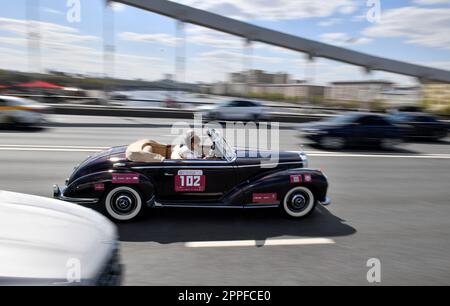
(123, 203)
(299, 202)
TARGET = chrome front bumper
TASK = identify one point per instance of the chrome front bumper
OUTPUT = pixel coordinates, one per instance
(58, 193)
(326, 202)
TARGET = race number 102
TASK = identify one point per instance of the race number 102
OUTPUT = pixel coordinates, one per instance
(190, 180)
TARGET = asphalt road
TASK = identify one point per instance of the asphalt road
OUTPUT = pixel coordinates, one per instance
(393, 206)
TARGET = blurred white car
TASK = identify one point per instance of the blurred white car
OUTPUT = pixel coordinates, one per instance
(49, 242)
(244, 110)
(20, 111)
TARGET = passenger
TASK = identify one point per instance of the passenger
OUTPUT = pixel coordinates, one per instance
(191, 147)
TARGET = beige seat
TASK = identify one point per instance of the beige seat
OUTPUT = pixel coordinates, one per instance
(147, 151)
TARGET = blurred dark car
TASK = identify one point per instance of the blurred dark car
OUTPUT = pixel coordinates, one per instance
(422, 125)
(355, 129)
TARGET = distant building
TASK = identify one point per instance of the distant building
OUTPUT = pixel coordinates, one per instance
(259, 77)
(357, 90)
(238, 77)
(291, 91)
(437, 96)
(261, 84)
(401, 96)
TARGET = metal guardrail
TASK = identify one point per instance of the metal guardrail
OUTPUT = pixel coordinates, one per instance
(121, 111)
(196, 103)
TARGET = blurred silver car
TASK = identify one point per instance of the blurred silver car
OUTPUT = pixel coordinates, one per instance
(20, 111)
(244, 110)
(50, 242)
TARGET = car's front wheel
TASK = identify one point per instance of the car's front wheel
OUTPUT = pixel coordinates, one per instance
(299, 202)
(332, 142)
(123, 203)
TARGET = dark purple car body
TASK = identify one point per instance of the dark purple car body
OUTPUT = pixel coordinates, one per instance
(248, 180)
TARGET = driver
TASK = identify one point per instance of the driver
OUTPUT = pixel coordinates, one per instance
(191, 147)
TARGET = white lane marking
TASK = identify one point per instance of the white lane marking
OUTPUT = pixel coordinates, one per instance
(62, 148)
(426, 156)
(258, 243)
(49, 150)
(47, 146)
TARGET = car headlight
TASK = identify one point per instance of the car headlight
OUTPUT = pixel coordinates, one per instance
(305, 159)
(314, 132)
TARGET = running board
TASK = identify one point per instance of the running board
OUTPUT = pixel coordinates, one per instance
(173, 205)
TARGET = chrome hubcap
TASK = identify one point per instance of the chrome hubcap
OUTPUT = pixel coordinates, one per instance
(123, 203)
(298, 202)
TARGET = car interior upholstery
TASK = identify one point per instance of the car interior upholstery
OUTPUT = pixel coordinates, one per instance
(150, 151)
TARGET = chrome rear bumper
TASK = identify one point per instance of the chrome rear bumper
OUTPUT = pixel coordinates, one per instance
(58, 193)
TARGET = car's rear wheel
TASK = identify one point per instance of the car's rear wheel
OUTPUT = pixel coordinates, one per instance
(123, 203)
(332, 142)
(440, 136)
(299, 202)
(390, 143)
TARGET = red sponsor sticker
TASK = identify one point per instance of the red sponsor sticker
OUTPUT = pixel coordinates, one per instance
(99, 187)
(296, 178)
(308, 178)
(264, 197)
(125, 178)
(190, 183)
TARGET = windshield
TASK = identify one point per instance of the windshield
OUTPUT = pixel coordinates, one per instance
(222, 147)
(341, 120)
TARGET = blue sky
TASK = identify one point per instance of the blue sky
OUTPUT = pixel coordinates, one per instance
(410, 30)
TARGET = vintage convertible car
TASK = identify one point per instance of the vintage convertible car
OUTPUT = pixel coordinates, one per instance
(122, 181)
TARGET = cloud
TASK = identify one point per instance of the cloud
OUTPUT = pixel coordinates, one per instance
(230, 56)
(118, 7)
(330, 22)
(275, 9)
(431, 2)
(415, 25)
(160, 38)
(52, 11)
(63, 48)
(49, 32)
(343, 39)
(194, 35)
(204, 36)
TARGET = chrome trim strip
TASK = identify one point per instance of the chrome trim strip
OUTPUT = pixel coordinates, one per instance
(211, 194)
(184, 161)
(271, 164)
(194, 206)
(252, 206)
(159, 205)
(181, 167)
(78, 200)
(213, 167)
